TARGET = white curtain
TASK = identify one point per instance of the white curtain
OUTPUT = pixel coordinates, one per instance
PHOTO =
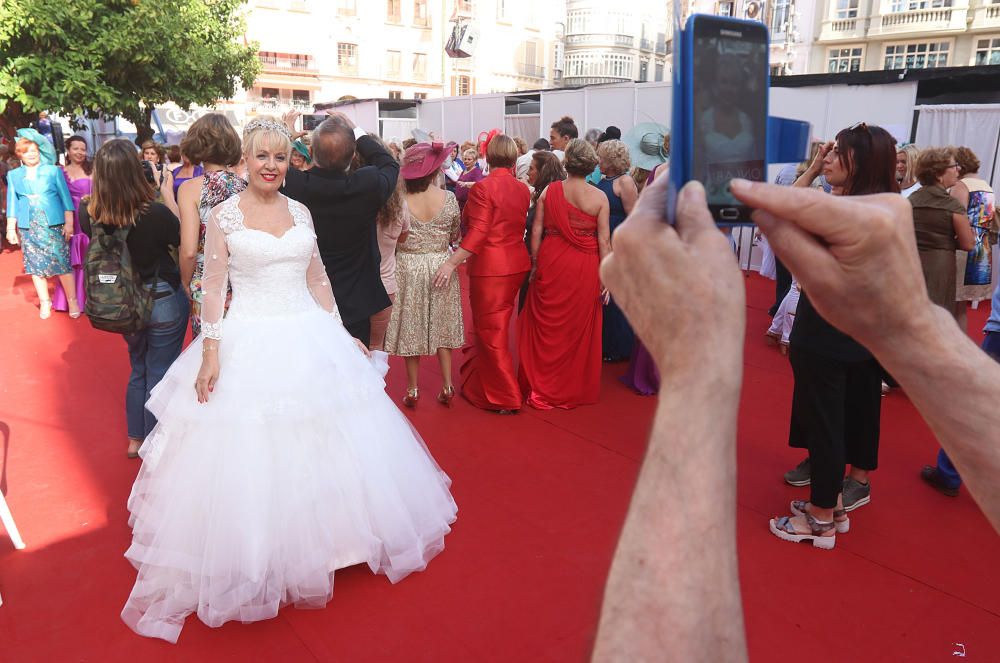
(396, 131)
(976, 126)
(525, 126)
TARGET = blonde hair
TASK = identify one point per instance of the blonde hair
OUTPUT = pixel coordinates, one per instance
(580, 158)
(912, 153)
(265, 132)
(502, 152)
(615, 156)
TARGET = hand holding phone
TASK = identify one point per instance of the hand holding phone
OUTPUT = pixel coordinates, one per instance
(721, 116)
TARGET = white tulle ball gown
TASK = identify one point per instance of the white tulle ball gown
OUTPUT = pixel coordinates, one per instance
(299, 463)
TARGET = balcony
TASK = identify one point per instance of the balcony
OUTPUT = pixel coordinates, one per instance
(646, 44)
(661, 48)
(530, 70)
(600, 39)
(985, 17)
(919, 22)
(272, 106)
(844, 30)
(285, 64)
(576, 81)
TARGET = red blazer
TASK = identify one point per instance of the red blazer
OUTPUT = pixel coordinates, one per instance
(495, 217)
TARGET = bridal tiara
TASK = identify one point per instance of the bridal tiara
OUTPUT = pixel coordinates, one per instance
(267, 125)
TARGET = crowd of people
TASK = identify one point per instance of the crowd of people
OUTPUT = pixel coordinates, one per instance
(258, 235)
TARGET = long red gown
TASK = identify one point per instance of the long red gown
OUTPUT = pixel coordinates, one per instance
(560, 328)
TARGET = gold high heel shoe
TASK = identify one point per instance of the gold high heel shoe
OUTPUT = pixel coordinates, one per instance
(411, 398)
(447, 393)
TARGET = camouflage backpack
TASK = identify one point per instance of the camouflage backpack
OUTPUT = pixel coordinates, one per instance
(116, 299)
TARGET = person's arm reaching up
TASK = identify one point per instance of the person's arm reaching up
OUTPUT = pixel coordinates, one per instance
(373, 153)
(673, 593)
(857, 259)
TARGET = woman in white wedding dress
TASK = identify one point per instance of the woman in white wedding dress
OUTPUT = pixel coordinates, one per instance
(278, 457)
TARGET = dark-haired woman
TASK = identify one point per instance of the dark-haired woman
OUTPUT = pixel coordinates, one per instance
(559, 333)
(122, 198)
(212, 141)
(426, 320)
(837, 399)
(543, 169)
(498, 263)
(163, 179)
(77, 171)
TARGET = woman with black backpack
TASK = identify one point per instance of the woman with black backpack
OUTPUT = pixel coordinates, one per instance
(121, 203)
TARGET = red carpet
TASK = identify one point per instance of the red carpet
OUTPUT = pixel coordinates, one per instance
(541, 499)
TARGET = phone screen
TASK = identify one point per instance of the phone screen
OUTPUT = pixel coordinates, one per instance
(312, 120)
(729, 110)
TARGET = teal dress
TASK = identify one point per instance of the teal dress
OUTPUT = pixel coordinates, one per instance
(40, 197)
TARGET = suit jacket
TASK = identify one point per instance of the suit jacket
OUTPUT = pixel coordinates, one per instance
(343, 209)
(494, 217)
(47, 190)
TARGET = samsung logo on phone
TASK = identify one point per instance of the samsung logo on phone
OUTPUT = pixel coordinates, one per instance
(730, 33)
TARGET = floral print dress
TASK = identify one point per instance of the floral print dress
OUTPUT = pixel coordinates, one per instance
(217, 187)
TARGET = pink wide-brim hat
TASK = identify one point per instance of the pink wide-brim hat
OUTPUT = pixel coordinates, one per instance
(422, 159)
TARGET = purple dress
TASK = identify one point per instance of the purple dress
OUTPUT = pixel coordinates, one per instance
(178, 181)
(642, 374)
(77, 247)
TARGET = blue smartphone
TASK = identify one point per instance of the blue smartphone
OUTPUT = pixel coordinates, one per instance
(720, 110)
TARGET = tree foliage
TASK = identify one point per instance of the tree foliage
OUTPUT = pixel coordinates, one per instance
(119, 57)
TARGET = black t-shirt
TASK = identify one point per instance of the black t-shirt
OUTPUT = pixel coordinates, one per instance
(150, 241)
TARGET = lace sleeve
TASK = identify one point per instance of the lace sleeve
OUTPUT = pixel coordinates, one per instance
(215, 279)
(316, 276)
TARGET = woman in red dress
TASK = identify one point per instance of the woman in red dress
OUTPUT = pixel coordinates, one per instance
(559, 330)
(498, 262)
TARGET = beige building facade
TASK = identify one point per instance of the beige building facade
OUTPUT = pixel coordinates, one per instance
(321, 51)
(789, 22)
(865, 35)
(610, 43)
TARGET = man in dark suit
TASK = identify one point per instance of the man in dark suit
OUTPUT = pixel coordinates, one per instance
(344, 208)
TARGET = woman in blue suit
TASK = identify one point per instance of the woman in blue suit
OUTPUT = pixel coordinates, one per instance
(40, 218)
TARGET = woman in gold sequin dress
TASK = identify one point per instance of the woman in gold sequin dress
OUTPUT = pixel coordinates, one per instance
(426, 320)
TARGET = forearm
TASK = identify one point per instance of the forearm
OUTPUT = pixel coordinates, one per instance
(673, 593)
(954, 384)
(458, 257)
(186, 265)
(536, 240)
(806, 179)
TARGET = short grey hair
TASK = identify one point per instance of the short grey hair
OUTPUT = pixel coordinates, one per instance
(333, 144)
(592, 136)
